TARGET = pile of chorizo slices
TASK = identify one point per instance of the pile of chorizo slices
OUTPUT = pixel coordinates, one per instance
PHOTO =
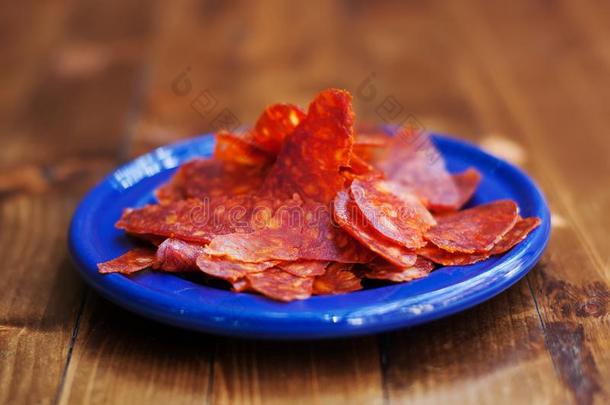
(301, 205)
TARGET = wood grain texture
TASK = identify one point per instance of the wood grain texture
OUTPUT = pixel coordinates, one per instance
(492, 354)
(61, 136)
(89, 84)
(575, 328)
(341, 371)
(41, 298)
(122, 358)
(29, 32)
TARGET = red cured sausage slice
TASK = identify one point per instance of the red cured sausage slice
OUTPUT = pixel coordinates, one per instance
(200, 221)
(440, 256)
(193, 220)
(130, 262)
(280, 285)
(258, 246)
(519, 232)
(304, 268)
(338, 279)
(324, 240)
(521, 229)
(175, 255)
(210, 179)
(359, 166)
(382, 270)
(308, 234)
(349, 217)
(413, 162)
(240, 285)
(230, 270)
(234, 148)
(313, 154)
(476, 229)
(274, 125)
(370, 146)
(466, 183)
(403, 219)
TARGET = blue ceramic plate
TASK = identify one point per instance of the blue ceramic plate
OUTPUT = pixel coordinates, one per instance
(178, 301)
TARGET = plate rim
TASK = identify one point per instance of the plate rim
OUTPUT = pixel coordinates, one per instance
(400, 311)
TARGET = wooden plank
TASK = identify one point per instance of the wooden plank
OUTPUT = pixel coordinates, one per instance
(340, 371)
(41, 298)
(123, 358)
(593, 21)
(571, 286)
(118, 357)
(574, 249)
(541, 92)
(492, 354)
(60, 138)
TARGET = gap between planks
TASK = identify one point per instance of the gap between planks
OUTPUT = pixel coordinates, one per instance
(132, 115)
(382, 348)
(71, 346)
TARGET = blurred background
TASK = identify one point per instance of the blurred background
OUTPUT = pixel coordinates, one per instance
(86, 85)
(103, 80)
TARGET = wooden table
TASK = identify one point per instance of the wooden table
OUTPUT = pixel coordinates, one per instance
(87, 85)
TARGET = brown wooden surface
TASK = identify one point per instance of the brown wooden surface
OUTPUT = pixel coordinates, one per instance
(85, 85)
